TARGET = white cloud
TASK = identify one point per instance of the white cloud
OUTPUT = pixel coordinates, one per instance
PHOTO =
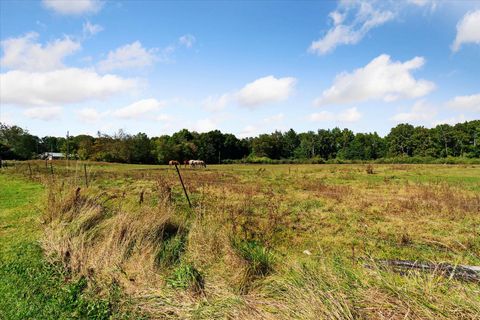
(134, 55)
(261, 91)
(73, 7)
(63, 86)
(187, 40)
(266, 90)
(43, 113)
(468, 30)
(89, 115)
(420, 112)
(381, 79)
(365, 18)
(467, 103)
(129, 56)
(216, 103)
(337, 17)
(25, 53)
(138, 109)
(90, 29)
(348, 115)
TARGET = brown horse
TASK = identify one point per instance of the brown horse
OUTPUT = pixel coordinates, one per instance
(186, 162)
(173, 163)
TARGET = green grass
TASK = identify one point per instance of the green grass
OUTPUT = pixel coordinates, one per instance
(31, 288)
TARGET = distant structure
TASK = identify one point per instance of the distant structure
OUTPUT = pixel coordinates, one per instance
(52, 156)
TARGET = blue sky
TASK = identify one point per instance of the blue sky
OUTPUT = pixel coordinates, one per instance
(241, 67)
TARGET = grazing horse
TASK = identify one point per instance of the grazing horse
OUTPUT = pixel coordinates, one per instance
(197, 163)
(172, 163)
(186, 162)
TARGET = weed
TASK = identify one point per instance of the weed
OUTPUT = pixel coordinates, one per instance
(186, 276)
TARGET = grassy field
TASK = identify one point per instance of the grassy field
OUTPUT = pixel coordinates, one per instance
(260, 242)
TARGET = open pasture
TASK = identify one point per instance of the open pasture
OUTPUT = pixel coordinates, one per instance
(265, 241)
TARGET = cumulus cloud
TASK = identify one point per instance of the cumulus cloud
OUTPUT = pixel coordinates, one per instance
(468, 30)
(266, 90)
(90, 29)
(132, 55)
(187, 40)
(138, 109)
(43, 113)
(73, 7)
(25, 53)
(381, 79)
(259, 92)
(70, 85)
(467, 103)
(348, 115)
(421, 111)
(363, 18)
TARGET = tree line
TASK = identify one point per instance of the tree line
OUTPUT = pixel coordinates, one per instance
(404, 140)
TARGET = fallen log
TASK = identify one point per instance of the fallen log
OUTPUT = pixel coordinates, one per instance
(460, 272)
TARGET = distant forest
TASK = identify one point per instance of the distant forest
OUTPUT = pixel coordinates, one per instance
(405, 142)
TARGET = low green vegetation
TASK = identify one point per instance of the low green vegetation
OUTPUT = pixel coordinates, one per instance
(31, 287)
(260, 241)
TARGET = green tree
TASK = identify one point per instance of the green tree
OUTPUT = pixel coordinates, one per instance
(399, 140)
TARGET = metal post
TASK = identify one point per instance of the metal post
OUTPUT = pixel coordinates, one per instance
(183, 186)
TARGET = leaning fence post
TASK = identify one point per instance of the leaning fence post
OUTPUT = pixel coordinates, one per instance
(51, 169)
(183, 186)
